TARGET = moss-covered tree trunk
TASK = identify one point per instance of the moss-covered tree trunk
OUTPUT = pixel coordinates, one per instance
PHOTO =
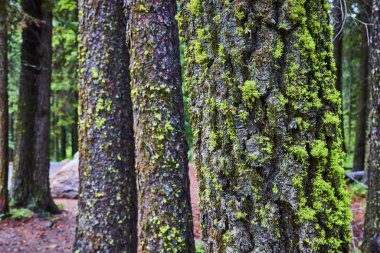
(30, 187)
(107, 217)
(372, 220)
(165, 219)
(3, 109)
(265, 114)
(362, 92)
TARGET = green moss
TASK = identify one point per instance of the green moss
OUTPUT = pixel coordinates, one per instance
(227, 237)
(331, 119)
(216, 19)
(241, 215)
(95, 73)
(249, 92)
(319, 149)
(194, 7)
(299, 152)
(239, 14)
(278, 50)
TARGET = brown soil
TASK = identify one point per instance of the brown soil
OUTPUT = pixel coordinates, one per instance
(56, 234)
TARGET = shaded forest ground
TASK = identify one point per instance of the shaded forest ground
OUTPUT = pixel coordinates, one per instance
(56, 233)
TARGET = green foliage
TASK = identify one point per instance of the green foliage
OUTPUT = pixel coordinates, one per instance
(199, 247)
(20, 213)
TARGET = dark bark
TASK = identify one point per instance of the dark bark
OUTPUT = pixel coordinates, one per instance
(3, 109)
(74, 133)
(63, 142)
(107, 217)
(161, 149)
(265, 113)
(362, 92)
(371, 242)
(30, 187)
(338, 13)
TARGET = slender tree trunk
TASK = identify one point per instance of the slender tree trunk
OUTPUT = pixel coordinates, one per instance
(3, 109)
(31, 166)
(74, 135)
(161, 149)
(63, 142)
(339, 13)
(107, 217)
(265, 114)
(371, 242)
(362, 95)
(11, 136)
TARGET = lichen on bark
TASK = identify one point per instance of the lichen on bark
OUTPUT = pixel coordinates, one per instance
(265, 115)
(165, 220)
(107, 208)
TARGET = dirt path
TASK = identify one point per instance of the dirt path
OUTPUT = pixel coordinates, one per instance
(56, 235)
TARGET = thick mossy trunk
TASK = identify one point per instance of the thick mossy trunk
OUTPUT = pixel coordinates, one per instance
(107, 215)
(30, 187)
(3, 109)
(266, 119)
(362, 92)
(372, 220)
(161, 149)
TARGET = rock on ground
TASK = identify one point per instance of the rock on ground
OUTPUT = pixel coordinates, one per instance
(65, 182)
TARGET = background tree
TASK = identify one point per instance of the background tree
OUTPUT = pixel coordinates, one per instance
(372, 219)
(161, 149)
(30, 185)
(362, 90)
(339, 14)
(107, 217)
(3, 108)
(265, 114)
(64, 81)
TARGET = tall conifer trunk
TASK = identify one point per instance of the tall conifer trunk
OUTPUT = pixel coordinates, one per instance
(362, 100)
(107, 217)
(266, 118)
(371, 242)
(30, 185)
(165, 219)
(3, 109)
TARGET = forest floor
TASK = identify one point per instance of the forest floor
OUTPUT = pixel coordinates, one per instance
(56, 233)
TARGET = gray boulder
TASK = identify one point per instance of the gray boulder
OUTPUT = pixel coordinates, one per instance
(64, 183)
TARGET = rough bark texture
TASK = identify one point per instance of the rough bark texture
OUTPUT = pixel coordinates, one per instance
(30, 187)
(165, 220)
(3, 109)
(362, 100)
(107, 217)
(372, 220)
(265, 114)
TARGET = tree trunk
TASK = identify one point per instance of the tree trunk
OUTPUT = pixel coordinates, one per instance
(74, 133)
(161, 149)
(107, 217)
(3, 109)
(63, 142)
(338, 12)
(372, 219)
(31, 166)
(362, 94)
(265, 114)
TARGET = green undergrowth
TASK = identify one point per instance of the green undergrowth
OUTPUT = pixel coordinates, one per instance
(199, 247)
